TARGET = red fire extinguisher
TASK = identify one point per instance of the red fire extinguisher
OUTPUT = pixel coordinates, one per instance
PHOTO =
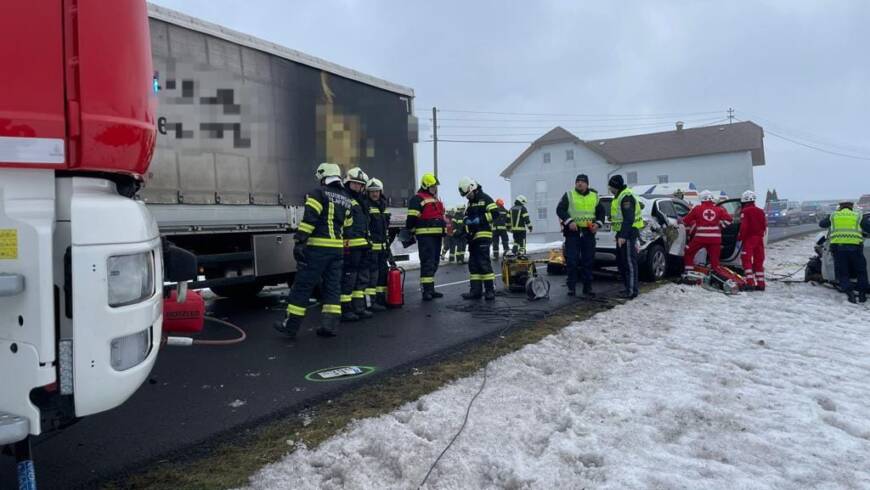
(395, 287)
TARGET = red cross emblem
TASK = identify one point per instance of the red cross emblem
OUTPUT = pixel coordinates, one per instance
(709, 215)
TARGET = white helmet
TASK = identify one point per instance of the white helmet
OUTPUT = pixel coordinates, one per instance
(374, 185)
(356, 175)
(522, 199)
(747, 196)
(466, 185)
(707, 196)
(327, 169)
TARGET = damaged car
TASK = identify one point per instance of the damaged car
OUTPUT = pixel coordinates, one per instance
(820, 267)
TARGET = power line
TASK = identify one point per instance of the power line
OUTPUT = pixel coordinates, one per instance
(811, 146)
(476, 141)
(623, 125)
(578, 129)
(647, 115)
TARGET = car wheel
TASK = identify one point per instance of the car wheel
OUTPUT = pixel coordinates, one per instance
(655, 266)
(813, 271)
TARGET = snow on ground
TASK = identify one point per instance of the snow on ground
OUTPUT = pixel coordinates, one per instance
(681, 388)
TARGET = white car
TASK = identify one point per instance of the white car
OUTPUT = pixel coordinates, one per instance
(821, 267)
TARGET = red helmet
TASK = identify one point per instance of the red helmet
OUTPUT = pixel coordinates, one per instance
(499, 201)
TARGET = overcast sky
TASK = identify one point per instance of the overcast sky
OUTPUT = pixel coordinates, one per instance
(797, 68)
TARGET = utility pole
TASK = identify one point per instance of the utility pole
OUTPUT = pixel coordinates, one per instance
(730, 115)
(435, 139)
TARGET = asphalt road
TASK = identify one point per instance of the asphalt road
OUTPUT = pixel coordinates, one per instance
(197, 394)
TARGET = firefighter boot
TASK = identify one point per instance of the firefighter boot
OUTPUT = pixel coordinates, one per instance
(359, 308)
(376, 305)
(328, 325)
(381, 299)
(489, 293)
(347, 314)
(475, 292)
(289, 326)
(435, 294)
(427, 292)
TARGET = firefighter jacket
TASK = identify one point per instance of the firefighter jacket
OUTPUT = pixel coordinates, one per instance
(478, 216)
(705, 222)
(499, 218)
(753, 222)
(519, 219)
(327, 216)
(425, 214)
(357, 235)
(379, 224)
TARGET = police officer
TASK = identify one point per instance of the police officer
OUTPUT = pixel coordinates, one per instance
(847, 246)
(627, 221)
(499, 228)
(318, 252)
(582, 215)
(379, 225)
(426, 221)
(478, 223)
(355, 276)
(520, 223)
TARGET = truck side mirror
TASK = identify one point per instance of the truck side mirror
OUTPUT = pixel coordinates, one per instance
(179, 265)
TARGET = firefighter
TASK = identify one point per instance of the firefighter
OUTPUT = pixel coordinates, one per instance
(705, 223)
(627, 221)
(379, 225)
(478, 224)
(319, 253)
(426, 221)
(520, 224)
(753, 227)
(847, 246)
(355, 275)
(499, 228)
(460, 235)
(581, 214)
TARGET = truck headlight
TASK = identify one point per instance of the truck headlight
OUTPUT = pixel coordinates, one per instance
(130, 278)
(130, 350)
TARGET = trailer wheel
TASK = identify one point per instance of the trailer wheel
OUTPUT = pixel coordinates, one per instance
(238, 291)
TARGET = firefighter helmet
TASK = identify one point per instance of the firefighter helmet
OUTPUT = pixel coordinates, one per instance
(499, 202)
(467, 185)
(429, 180)
(374, 185)
(747, 196)
(357, 175)
(707, 196)
(327, 169)
(522, 199)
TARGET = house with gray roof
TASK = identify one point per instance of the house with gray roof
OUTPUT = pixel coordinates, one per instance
(720, 157)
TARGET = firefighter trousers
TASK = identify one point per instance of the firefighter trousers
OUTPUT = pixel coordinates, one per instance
(429, 247)
(377, 267)
(322, 265)
(520, 241)
(499, 236)
(479, 266)
(752, 259)
(355, 277)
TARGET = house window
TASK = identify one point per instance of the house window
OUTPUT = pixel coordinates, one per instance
(569, 155)
(541, 191)
(663, 179)
(546, 157)
(542, 213)
(631, 177)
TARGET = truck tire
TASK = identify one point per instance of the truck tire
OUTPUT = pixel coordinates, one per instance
(238, 291)
(655, 265)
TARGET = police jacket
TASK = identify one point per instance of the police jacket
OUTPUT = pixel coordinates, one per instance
(425, 214)
(327, 216)
(563, 211)
(865, 223)
(499, 218)
(379, 223)
(357, 235)
(478, 216)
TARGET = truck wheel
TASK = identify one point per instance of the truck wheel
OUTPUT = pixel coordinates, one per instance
(238, 291)
(813, 271)
(655, 266)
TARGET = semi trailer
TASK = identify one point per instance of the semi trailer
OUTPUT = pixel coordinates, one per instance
(242, 124)
(82, 262)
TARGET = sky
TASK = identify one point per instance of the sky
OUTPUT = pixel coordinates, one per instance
(602, 69)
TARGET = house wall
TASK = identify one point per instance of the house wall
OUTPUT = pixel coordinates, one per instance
(729, 172)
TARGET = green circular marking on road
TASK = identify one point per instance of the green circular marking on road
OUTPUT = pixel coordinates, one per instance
(339, 373)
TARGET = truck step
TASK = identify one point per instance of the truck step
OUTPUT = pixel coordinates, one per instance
(13, 428)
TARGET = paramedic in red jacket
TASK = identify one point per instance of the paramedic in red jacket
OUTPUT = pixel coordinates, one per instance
(753, 227)
(705, 223)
